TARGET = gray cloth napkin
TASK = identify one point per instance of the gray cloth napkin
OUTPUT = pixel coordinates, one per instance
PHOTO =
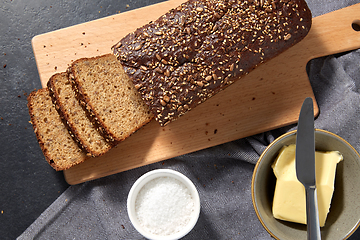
(222, 174)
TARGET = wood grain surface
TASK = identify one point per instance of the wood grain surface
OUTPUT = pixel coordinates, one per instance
(269, 97)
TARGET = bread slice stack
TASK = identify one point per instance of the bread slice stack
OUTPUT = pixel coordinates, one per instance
(80, 125)
(86, 111)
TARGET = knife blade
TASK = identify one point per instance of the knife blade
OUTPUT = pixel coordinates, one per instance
(305, 166)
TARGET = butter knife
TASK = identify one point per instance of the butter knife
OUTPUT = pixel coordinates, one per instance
(305, 166)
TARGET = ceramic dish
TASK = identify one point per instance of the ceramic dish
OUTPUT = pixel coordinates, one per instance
(344, 216)
(165, 175)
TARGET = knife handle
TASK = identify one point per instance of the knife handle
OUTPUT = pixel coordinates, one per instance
(312, 214)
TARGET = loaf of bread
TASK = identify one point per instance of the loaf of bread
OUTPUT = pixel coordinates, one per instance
(75, 116)
(59, 148)
(194, 51)
(109, 95)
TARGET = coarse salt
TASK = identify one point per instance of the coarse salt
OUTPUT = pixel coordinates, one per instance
(164, 206)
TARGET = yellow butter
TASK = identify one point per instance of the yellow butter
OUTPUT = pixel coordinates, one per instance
(289, 202)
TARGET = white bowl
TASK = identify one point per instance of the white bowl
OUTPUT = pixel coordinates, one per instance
(146, 178)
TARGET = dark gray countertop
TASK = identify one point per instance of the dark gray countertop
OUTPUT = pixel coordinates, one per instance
(28, 185)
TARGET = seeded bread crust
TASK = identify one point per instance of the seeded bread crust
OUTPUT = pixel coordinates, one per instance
(194, 51)
(107, 93)
(56, 143)
(75, 117)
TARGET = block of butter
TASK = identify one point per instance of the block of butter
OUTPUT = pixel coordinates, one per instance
(289, 201)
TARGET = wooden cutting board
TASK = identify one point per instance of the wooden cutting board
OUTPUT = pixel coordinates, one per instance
(269, 97)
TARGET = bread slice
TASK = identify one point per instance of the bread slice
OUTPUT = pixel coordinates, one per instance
(59, 148)
(109, 96)
(75, 116)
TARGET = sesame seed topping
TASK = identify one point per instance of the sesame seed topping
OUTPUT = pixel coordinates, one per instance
(195, 50)
(199, 9)
(287, 37)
